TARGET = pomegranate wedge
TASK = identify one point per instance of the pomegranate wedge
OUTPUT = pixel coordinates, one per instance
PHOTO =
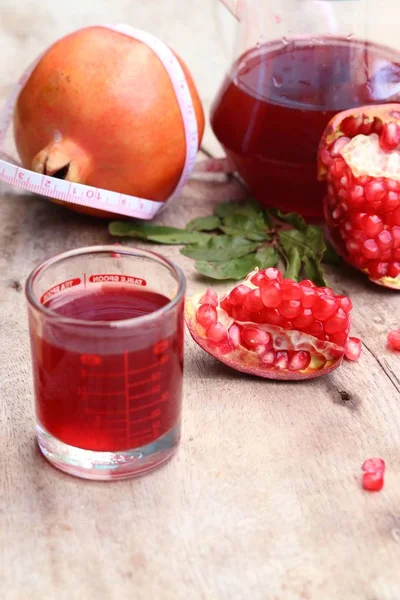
(359, 157)
(273, 327)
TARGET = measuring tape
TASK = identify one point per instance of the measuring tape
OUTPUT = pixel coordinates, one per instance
(84, 195)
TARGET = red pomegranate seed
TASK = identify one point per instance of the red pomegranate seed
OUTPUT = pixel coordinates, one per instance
(384, 240)
(272, 316)
(373, 465)
(238, 293)
(396, 237)
(395, 217)
(357, 219)
(308, 297)
(299, 360)
(282, 360)
(351, 125)
(372, 482)
(338, 322)
(393, 339)
(258, 278)
(338, 146)
(317, 330)
(326, 158)
(272, 273)
(370, 249)
(352, 349)
(217, 332)
(394, 270)
(372, 225)
(264, 348)
(252, 301)
(386, 255)
(327, 291)
(268, 359)
(304, 319)
(307, 283)
(225, 304)
(338, 169)
(240, 313)
(390, 136)
(377, 126)
(346, 304)
(374, 191)
(360, 261)
(339, 338)
(392, 185)
(252, 337)
(271, 295)
(290, 290)
(377, 269)
(366, 128)
(391, 201)
(325, 307)
(206, 315)
(356, 197)
(290, 309)
(234, 336)
(353, 247)
(210, 297)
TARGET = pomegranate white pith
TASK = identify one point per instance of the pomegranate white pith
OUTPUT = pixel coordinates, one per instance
(360, 160)
(273, 327)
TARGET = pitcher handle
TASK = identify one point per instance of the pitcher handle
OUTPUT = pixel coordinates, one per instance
(235, 7)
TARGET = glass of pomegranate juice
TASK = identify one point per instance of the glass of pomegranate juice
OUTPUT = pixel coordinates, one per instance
(106, 326)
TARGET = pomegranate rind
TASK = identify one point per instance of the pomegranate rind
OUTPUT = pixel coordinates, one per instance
(325, 356)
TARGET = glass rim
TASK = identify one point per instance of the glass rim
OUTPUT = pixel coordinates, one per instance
(34, 302)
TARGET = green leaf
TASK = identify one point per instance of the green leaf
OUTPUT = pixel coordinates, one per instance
(204, 224)
(250, 208)
(236, 268)
(267, 257)
(292, 238)
(292, 218)
(309, 244)
(220, 248)
(252, 228)
(293, 264)
(331, 257)
(156, 233)
(313, 271)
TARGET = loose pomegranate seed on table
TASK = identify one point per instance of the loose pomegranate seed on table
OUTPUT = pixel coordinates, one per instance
(373, 474)
(393, 339)
(275, 327)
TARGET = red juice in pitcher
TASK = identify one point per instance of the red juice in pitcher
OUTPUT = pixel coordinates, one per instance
(108, 400)
(273, 108)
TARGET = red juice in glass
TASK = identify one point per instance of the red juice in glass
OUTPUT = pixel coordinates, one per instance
(108, 401)
(107, 358)
(273, 107)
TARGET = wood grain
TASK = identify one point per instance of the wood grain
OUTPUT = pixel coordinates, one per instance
(263, 500)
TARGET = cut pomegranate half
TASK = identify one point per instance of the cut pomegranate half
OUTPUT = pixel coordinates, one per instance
(359, 157)
(273, 327)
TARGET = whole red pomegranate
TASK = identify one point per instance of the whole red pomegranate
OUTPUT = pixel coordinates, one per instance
(359, 157)
(273, 327)
(100, 109)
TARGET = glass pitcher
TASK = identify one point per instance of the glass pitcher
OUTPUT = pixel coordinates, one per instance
(296, 64)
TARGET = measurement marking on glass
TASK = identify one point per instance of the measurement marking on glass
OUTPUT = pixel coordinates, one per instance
(126, 364)
(163, 360)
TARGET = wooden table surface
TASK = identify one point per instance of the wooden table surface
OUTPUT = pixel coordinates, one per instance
(263, 499)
